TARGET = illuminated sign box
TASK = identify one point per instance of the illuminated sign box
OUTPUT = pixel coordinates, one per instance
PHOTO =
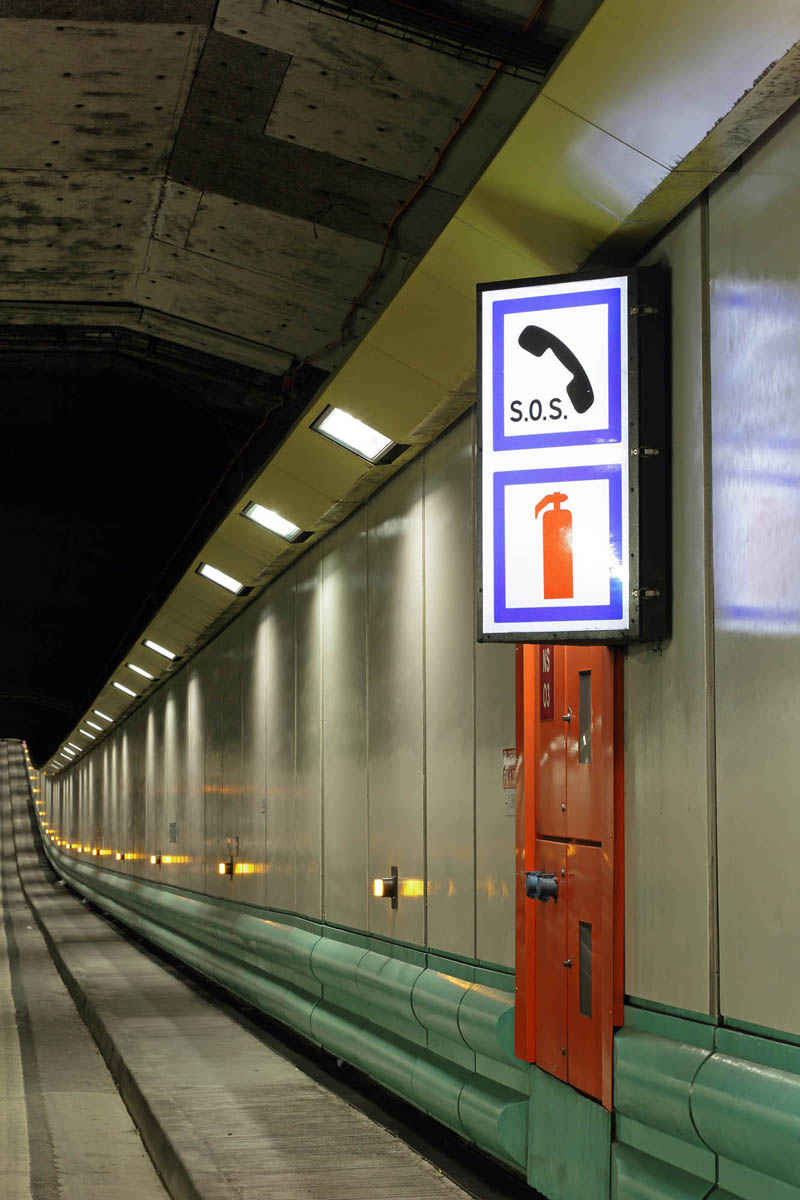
(573, 450)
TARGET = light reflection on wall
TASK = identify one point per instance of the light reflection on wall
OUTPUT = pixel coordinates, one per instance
(756, 456)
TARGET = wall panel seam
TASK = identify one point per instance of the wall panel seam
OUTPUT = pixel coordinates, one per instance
(424, 699)
(709, 614)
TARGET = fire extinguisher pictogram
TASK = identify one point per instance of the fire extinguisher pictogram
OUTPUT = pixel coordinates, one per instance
(556, 547)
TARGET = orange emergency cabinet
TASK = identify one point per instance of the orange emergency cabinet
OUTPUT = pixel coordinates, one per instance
(569, 978)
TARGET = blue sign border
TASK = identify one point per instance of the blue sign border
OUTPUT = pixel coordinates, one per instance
(612, 298)
(592, 612)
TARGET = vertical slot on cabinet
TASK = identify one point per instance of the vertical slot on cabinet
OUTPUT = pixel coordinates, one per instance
(585, 941)
(584, 716)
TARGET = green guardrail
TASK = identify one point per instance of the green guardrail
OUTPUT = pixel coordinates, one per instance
(442, 1043)
(701, 1112)
(704, 1111)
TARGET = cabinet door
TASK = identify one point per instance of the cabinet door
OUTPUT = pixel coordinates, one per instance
(588, 951)
(551, 954)
(551, 743)
(589, 740)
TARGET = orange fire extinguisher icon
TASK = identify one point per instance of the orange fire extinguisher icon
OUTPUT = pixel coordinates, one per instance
(556, 547)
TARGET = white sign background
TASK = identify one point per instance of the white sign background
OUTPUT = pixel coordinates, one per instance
(588, 503)
(511, 538)
(527, 376)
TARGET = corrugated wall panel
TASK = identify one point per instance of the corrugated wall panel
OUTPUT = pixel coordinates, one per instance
(115, 836)
(495, 831)
(360, 660)
(668, 949)
(213, 823)
(308, 772)
(135, 803)
(754, 255)
(344, 667)
(280, 679)
(395, 702)
(449, 692)
(90, 834)
(253, 832)
(176, 795)
(194, 774)
(230, 685)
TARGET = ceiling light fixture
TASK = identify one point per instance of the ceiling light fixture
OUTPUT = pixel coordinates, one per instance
(74, 747)
(340, 427)
(162, 650)
(94, 725)
(140, 671)
(267, 518)
(86, 733)
(126, 690)
(97, 713)
(222, 580)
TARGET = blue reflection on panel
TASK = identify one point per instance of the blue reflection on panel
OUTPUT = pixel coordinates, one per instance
(756, 456)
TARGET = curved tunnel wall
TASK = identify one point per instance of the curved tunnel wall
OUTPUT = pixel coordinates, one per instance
(345, 723)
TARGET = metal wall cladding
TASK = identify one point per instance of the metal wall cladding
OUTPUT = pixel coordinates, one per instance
(154, 786)
(450, 691)
(176, 799)
(134, 832)
(88, 835)
(214, 825)
(252, 831)
(280, 681)
(754, 255)
(395, 709)
(308, 736)
(495, 825)
(229, 683)
(192, 840)
(711, 717)
(668, 696)
(115, 833)
(344, 746)
(345, 723)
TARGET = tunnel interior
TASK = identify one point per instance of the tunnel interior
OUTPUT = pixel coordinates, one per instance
(121, 455)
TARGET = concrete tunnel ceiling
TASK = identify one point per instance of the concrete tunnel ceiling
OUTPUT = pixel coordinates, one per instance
(300, 190)
(193, 198)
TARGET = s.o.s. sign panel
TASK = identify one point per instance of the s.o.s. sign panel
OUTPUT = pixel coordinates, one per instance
(561, 456)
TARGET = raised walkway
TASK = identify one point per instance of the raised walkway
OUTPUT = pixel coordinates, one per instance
(220, 1114)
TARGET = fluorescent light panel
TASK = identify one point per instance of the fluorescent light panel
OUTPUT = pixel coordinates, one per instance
(86, 733)
(162, 650)
(219, 577)
(94, 725)
(355, 435)
(140, 671)
(267, 518)
(74, 747)
(97, 713)
(69, 753)
(122, 688)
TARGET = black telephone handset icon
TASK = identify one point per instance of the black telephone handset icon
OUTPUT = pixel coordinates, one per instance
(536, 341)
